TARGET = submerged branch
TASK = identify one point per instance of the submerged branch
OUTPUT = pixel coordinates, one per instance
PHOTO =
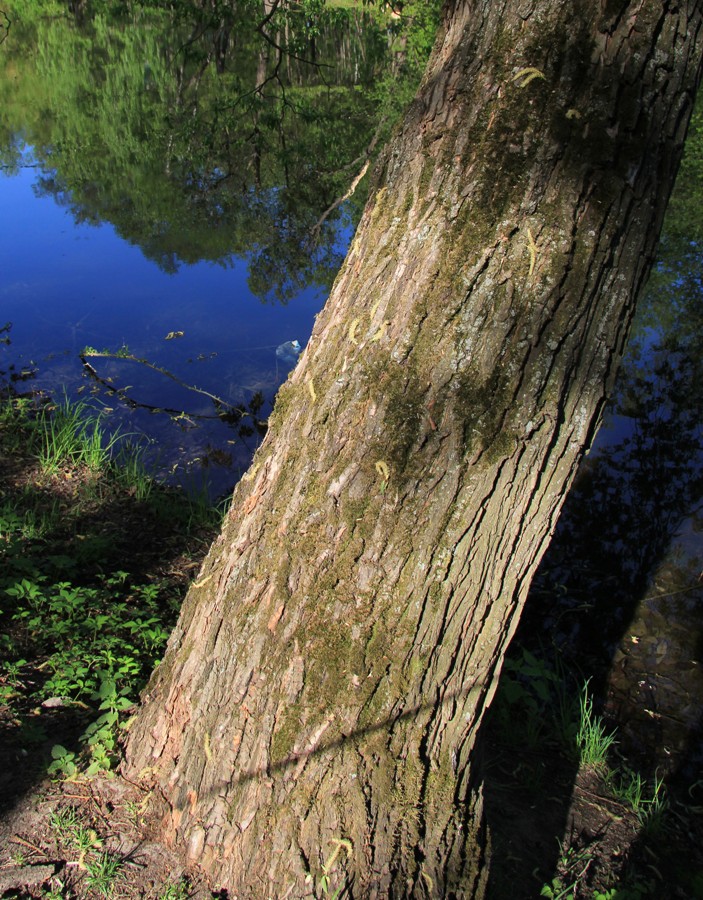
(4, 26)
(218, 401)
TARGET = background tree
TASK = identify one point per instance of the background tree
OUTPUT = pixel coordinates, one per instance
(317, 709)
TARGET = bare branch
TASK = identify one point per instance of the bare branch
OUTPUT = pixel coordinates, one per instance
(4, 25)
(315, 230)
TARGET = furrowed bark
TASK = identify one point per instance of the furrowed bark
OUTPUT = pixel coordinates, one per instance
(317, 709)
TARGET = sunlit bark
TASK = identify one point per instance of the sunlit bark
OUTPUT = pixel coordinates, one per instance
(335, 656)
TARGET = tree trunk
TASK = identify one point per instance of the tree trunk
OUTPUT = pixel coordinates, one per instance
(314, 720)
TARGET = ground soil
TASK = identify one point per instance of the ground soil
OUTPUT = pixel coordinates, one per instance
(555, 830)
(592, 846)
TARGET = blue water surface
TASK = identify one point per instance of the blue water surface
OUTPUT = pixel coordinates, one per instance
(66, 286)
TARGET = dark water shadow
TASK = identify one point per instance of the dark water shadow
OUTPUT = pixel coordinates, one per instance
(617, 604)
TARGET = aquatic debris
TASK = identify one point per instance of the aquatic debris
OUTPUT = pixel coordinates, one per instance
(288, 352)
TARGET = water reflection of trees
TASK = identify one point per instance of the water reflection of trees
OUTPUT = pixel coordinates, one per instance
(628, 505)
(205, 132)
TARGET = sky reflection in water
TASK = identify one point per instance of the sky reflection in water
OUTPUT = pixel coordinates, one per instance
(66, 286)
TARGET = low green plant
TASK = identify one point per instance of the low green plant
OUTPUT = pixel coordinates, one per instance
(131, 472)
(19, 856)
(63, 822)
(648, 801)
(325, 881)
(14, 418)
(94, 633)
(571, 870)
(528, 684)
(102, 870)
(56, 891)
(101, 867)
(64, 762)
(593, 741)
(27, 524)
(639, 890)
(583, 734)
(556, 890)
(65, 435)
(101, 735)
(10, 679)
(179, 890)
(72, 832)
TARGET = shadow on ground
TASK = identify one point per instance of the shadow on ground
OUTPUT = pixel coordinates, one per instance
(72, 531)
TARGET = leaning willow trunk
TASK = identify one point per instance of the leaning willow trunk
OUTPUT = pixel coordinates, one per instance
(313, 721)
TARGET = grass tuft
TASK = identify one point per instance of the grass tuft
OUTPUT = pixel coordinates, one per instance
(72, 434)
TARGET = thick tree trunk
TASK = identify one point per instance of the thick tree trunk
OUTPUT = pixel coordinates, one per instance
(317, 708)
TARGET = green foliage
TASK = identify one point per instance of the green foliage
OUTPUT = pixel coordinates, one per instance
(98, 648)
(555, 890)
(179, 890)
(101, 735)
(81, 841)
(71, 832)
(10, 679)
(647, 799)
(532, 686)
(324, 883)
(71, 433)
(585, 734)
(64, 762)
(571, 868)
(94, 635)
(640, 890)
(55, 892)
(551, 710)
(101, 873)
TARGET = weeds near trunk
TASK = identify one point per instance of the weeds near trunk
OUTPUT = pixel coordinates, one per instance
(81, 634)
(593, 742)
(72, 433)
(102, 871)
(324, 884)
(650, 804)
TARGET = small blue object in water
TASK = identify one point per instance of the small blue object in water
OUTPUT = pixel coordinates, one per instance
(289, 352)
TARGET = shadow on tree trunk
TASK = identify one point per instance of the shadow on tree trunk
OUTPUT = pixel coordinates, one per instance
(615, 605)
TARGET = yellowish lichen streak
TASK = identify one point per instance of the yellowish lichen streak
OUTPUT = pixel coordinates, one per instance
(383, 470)
(532, 247)
(525, 76)
(379, 334)
(203, 581)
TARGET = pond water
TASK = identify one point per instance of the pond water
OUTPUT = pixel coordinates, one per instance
(170, 192)
(170, 219)
(69, 286)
